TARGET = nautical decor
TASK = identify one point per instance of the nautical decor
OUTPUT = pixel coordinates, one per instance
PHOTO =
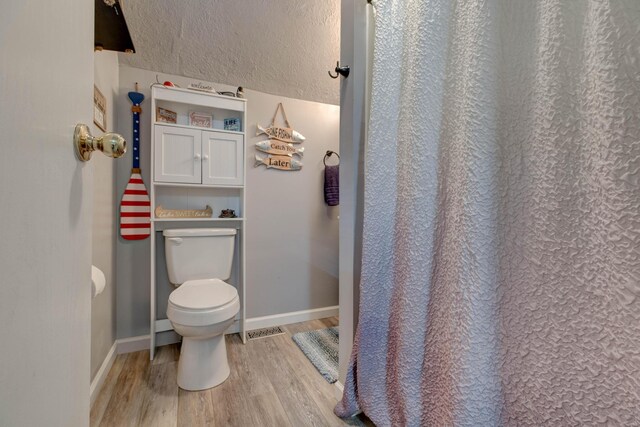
(227, 213)
(161, 212)
(273, 146)
(135, 207)
(285, 163)
(283, 134)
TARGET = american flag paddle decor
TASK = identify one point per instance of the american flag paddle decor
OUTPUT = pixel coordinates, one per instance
(135, 207)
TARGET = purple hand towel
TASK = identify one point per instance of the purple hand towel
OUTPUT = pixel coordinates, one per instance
(332, 185)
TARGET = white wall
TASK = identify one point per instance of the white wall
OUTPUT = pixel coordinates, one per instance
(292, 236)
(103, 307)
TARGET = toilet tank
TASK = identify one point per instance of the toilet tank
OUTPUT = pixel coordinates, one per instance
(198, 253)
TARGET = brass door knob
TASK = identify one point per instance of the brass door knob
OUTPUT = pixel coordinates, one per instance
(111, 144)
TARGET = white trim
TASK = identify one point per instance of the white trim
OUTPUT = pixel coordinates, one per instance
(129, 345)
(142, 342)
(292, 317)
(163, 325)
(101, 375)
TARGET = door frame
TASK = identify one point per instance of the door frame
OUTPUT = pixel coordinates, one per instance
(355, 52)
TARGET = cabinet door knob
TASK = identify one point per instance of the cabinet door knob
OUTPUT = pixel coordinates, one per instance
(197, 157)
(205, 157)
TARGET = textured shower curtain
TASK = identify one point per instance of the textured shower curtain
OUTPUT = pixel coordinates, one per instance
(501, 239)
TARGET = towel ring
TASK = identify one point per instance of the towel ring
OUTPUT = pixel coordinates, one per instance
(329, 154)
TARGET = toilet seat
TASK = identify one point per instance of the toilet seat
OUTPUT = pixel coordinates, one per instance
(203, 302)
(204, 294)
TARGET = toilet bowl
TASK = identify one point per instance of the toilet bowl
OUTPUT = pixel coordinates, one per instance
(200, 311)
(203, 306)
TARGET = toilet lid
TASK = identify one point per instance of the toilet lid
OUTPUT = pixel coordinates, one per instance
(203, 294)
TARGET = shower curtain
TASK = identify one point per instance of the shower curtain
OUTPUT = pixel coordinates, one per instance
(501, 240)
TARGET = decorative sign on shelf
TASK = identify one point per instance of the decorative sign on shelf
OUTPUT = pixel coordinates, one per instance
(272, 146)
(202, 120)
(285, 163)
(232, 124)
(280, 133)
(161, 212)
(202, 87)
(166, 116)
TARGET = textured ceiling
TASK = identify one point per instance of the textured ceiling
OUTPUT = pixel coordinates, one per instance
(282, 47)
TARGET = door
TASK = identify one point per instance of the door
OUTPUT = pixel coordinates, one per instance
(177, 153)
(222, 158)
(46, 82)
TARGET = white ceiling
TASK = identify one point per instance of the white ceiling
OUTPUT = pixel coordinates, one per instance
(281, 47)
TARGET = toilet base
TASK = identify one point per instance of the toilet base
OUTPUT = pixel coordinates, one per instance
(203, 363)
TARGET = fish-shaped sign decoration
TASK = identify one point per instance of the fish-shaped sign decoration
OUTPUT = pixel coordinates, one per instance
(284, 134)
(285, 163)
(279, 148)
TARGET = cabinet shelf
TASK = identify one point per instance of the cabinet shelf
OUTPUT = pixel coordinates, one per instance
(174, 125)
(197, 219)
(184, 185)
(192, 97)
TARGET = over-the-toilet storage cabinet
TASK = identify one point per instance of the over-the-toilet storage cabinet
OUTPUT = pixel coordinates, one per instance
(192, 167)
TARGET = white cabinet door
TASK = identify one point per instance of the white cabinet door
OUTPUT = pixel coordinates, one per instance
(177, 155)
(222, 158)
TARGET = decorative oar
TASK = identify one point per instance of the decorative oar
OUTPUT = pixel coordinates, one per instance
(135, 207)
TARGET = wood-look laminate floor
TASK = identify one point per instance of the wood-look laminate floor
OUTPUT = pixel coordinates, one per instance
(272, 383)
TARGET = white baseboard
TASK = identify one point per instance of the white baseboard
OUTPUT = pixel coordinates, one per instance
(129, 345)
(292, 317)
(101, 375)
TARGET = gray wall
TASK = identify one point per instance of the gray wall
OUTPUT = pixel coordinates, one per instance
(292, 236)
(103, 306)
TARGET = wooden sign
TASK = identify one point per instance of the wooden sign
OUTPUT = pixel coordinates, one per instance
(99, 109)
(166, 116)
(284, 163)
(282, 134)
(285, 134)
(279, 148)
(184, 213)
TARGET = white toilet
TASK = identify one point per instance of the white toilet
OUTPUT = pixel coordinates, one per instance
(203, 306)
